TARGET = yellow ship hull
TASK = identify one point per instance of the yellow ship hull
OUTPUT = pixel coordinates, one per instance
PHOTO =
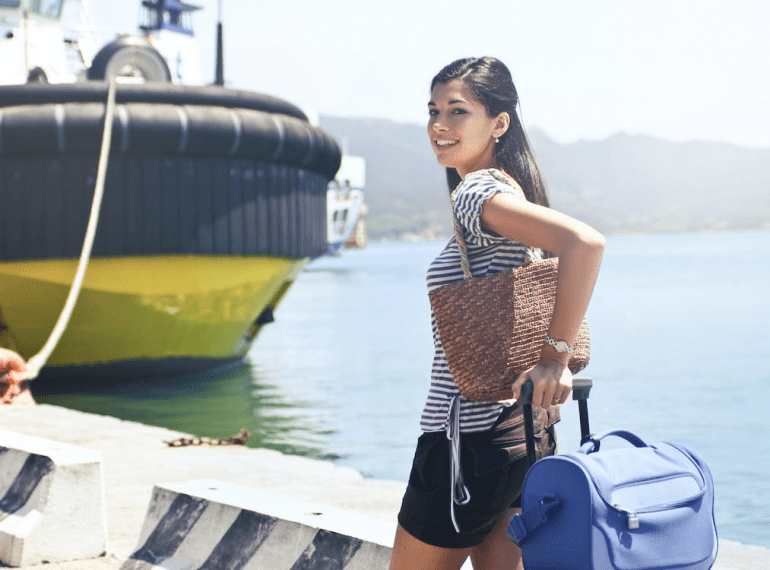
(170, 310)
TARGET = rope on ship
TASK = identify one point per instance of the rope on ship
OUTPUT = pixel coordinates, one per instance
(36, 363)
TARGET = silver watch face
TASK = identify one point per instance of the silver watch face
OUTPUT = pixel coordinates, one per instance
(561, 346)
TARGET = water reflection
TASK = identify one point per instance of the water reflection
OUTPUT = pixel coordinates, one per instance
(213, 403)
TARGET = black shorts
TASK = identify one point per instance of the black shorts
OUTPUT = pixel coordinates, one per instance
(494, 465)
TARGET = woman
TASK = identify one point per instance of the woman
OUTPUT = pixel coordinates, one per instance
(500, 202)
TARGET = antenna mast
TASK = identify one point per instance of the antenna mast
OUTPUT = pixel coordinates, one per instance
(220, 71)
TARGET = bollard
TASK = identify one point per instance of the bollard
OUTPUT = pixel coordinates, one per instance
(51, 501)
(210, 524)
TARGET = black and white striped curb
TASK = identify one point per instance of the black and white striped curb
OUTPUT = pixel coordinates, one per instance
(211, 525)
(51, 501)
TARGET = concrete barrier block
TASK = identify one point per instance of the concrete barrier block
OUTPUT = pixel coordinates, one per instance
(51, 501)
(210, 524)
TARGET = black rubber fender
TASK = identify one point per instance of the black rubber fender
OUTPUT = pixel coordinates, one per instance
(129, 51)
(170, 93)
(143, 129)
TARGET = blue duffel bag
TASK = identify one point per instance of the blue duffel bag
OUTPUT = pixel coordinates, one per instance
(647, 507)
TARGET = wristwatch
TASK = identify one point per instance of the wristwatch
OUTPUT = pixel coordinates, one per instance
(559, 345)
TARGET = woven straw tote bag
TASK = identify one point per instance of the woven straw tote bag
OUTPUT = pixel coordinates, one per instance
(492, 328)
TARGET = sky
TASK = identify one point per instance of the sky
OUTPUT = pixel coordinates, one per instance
(585, 69)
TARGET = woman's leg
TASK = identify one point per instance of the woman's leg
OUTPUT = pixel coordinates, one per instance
(410, 553)
(498, 552)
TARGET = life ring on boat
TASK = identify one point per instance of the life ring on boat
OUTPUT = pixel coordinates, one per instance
(129, 56)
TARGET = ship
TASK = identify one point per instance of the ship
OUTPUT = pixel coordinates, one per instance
(214, 201)
(345, 202)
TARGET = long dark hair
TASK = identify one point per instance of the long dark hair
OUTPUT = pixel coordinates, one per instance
(490, 82)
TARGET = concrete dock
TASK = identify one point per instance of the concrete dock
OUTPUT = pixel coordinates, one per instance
(135, 459)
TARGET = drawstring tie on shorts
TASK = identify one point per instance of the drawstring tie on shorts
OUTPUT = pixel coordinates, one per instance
(459, 494)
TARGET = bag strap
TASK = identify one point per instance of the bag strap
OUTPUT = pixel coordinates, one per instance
(522, 526)
(462, 246)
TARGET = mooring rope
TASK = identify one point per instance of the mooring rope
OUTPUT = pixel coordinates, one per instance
(36, 363)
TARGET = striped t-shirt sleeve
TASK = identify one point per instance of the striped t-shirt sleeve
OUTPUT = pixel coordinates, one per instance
(469, 198)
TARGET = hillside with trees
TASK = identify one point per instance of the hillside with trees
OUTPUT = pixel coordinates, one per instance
(622, 184)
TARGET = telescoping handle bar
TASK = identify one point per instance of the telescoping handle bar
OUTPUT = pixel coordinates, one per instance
(581, 388)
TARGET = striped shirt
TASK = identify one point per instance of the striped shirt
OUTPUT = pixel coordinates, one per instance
(489, 253)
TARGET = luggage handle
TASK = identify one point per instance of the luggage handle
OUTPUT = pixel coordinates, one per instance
(593, 446)
(581, 388)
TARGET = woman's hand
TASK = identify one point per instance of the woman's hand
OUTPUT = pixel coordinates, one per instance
(551, 383)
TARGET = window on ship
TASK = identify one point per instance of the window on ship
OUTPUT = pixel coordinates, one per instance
(50, 8)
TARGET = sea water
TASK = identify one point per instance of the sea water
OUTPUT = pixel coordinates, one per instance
(679, 334)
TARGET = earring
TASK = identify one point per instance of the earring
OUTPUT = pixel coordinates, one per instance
(497, 141)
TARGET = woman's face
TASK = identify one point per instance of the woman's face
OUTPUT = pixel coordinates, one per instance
(461, 132)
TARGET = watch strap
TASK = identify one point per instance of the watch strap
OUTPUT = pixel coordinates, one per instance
(559, 345)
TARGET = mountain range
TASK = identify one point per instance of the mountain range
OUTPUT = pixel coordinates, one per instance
(621, 184)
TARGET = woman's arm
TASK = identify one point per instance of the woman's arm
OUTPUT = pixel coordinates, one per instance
(579, 249)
